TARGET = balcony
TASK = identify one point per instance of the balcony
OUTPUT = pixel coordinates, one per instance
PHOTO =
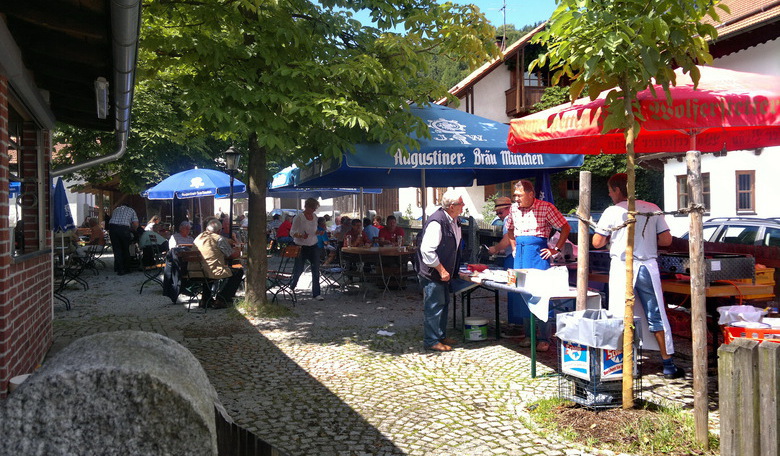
(532, 96)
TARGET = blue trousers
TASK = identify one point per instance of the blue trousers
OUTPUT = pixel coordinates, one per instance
(310, 253)
(436, 304)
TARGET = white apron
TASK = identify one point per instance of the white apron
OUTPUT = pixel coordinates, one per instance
(617, 301)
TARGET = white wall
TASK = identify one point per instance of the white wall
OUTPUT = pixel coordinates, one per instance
(722, 169)
(489, 98)
(473, 197)
(723, 199)
(762, 59)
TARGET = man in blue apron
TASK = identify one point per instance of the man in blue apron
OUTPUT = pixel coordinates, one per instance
(651, 231)
(529, 224)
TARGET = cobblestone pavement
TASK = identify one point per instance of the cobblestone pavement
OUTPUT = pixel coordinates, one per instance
(324, 382)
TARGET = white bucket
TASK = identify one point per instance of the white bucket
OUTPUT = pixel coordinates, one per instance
(475, 328)
(16, 381)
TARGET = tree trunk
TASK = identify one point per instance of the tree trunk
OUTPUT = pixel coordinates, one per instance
(628, 316)
(257, 261)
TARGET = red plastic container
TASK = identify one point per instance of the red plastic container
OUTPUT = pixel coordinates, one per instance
(760, 334)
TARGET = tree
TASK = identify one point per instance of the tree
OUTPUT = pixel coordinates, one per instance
(302, 78)
(625, 47)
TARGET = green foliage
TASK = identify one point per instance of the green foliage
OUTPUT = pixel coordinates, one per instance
(488, 210)
(306, 76)
(625, 47)
(552, 96)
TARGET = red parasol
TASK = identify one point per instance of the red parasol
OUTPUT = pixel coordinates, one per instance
(729, 110)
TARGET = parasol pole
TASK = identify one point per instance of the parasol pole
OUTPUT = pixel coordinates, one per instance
(424, 195)
(698, 298)
(583, 241)
(628, 312)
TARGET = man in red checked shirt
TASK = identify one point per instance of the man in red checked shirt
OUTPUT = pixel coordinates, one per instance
(529, 224)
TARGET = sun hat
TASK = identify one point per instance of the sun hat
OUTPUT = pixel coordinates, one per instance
(502, 201)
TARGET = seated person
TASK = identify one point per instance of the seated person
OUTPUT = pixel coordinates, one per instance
(356, 237)
(152, 225)
(391, 232)
(372, 232)
(217, 252)
(345, 224)
(147, 241)
(324, 242)
(283, 232)
(378, 223)
(182, 236)
(97, 237)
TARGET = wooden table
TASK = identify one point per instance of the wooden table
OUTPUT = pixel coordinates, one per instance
(394, 260)
(716, 290)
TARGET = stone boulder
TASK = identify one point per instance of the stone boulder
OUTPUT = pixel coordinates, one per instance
(117, 393)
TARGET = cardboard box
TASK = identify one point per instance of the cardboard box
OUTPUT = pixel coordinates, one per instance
(593, 364)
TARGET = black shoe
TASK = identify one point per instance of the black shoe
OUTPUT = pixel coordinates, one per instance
(678, 373)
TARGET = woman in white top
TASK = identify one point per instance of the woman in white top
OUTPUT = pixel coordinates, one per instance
(304, 233)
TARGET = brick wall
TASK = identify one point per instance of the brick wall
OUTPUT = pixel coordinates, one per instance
(26, 283)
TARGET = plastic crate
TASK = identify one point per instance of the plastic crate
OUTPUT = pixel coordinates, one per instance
(760, 334)
(595, 395)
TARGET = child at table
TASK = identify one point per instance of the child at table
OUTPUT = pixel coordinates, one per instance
(324, 242)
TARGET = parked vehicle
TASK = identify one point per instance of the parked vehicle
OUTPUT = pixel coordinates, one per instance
(742, 230)
(290, 212)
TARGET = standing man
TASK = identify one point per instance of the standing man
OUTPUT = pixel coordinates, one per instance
(651, 231)
(529, 224)
(438, 259)
(123, 222)
(304, 233)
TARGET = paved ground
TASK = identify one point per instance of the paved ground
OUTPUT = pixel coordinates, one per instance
(324, 382)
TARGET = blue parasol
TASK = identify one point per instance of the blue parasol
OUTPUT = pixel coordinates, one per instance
(61, 218)
(194, 183)
(463, 148)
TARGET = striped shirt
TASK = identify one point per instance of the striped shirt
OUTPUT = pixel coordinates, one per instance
(537, 220)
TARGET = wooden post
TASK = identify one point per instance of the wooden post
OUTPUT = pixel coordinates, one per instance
(738, 390)
(769, 402)
(583, 242)
(698, 298)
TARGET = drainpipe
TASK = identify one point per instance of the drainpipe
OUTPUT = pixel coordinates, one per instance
(125, 25)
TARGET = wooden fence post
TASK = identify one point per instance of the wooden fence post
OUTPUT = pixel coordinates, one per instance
(738, 391)
(769, 381)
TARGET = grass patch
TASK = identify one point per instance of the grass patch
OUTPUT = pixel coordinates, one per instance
(263, 310)
(646, 429)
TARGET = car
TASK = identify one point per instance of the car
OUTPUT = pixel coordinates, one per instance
(574, 222)
(742, 230)
(290, 212)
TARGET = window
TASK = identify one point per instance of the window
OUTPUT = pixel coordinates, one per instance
(746, 192)
(683, 200)
(26, 203)
(739, 234)
(437, 194)
(772, 237)
(572, 190)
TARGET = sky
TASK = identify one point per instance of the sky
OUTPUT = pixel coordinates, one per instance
(518, 12)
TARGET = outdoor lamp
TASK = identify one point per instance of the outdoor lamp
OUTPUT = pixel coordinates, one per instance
(232, 157)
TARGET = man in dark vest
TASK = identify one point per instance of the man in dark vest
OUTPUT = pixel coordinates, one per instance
(437, 259)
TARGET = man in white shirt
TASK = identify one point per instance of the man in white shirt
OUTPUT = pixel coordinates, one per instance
(650, 232)
(437, 261)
